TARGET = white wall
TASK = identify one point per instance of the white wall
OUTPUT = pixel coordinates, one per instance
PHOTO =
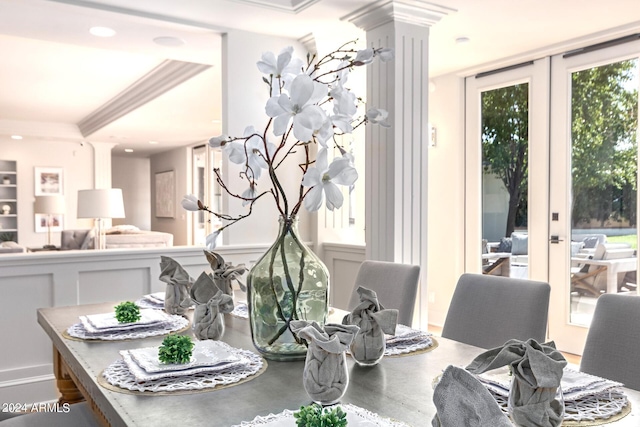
(77, 164)
(179, 161)
(133, 175)
(446, 195)
(243, 103)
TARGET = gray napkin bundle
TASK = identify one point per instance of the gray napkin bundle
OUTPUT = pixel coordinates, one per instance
(537, 370)
(211, 304)
(176, 300)
(462, 400)
(224, 273)
(325, 376)
(374, 321)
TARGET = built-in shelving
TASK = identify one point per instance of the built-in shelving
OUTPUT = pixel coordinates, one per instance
(8, 200)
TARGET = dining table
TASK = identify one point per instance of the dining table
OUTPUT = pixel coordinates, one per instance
(398, 387)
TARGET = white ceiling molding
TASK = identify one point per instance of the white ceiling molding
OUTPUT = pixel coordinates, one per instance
(40, 130)
(416, 12)
(290, 6)
(309, 43)
(164, 77)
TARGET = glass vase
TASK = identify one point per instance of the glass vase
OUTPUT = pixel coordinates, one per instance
(289, 282)
(520, 393)
(325, 376)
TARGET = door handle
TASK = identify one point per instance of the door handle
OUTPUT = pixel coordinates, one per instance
(555, 239)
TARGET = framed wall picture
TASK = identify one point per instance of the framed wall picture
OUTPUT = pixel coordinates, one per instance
(165, 194)
(48, 181)
(57, 222)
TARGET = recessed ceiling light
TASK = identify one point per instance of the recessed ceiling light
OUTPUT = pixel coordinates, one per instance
(153, 142)
(168, 41)
(16, 137)
(128, 150)
(463, 40)
(102, 31)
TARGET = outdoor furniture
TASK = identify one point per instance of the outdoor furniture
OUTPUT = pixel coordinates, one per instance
(395, 284)
(613, 342)
(592, 276)
(487, 311)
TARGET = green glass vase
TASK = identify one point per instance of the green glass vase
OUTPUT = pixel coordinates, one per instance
(289, 282)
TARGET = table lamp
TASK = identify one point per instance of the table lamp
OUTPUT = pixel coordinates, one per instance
(49, 205)
(100, 204)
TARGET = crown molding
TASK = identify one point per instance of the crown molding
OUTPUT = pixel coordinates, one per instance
(164, 77)
(309, 43)
(289, 6)
(416, 12)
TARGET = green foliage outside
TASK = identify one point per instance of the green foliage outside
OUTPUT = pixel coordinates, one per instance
(505, 143)
(631, 239)
(604, 146)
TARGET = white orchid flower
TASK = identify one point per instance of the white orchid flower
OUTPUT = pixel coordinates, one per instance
(283, 64)
(255, 153)
(325, 132)
(233, 149)
(342, 75)
(344, 101)
(190, 203)
(300, 105)
(378, 116)
(363, 57)
(211, 239)
(249, 193)
(324, 181)
(342, 122)
(386, 54)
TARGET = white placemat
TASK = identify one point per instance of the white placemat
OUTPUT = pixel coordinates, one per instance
(173, 323)
(407, 340)
(356, 417)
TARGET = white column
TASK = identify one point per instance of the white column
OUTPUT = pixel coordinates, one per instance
(396, 157)
(102, 164)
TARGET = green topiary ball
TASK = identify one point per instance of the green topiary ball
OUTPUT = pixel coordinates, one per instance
(176, 349)
(127, 312)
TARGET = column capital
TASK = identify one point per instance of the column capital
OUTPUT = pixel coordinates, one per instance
(416, 12)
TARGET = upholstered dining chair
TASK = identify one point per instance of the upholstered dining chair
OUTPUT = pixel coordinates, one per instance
(613, 341)
(79, 415)
(395, 284)
(487, 311)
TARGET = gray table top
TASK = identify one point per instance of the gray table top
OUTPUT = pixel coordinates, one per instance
(398, 387)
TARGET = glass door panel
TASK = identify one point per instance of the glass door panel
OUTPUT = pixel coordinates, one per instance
(593, 196)
(604, 166)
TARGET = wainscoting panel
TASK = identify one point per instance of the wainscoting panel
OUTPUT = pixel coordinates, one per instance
(343, 262)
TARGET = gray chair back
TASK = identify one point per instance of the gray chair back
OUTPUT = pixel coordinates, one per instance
(77, 239)
(613, 342)
(395, 284)
(487, 311)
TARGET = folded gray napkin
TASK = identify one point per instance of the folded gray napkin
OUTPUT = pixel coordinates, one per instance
(208, 319)
(462, 400)
(224, 273)
(374, 321)
(176, 300)
(537, 371)
(325, 376)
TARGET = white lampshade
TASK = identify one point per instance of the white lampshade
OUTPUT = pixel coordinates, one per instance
(100, 203)
(52, 204)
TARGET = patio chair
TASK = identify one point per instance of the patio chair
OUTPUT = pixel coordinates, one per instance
(395, 284)
(613, 342)
(591, 279)
(487, 311)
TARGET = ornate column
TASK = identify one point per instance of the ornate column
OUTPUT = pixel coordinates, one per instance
(396, 157)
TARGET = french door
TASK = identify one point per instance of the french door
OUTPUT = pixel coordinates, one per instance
(593, 171)
(508, 110)
(579, 177)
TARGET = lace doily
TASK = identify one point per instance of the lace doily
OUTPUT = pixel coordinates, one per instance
(241, 310)
(587, 398)
(118, 375)
(407, 340)
(356, 417)
(174, 323)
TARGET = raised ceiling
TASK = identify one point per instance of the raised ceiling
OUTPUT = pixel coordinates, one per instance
(54, 74)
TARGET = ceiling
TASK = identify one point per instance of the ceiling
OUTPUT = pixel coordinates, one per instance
(54, 75)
